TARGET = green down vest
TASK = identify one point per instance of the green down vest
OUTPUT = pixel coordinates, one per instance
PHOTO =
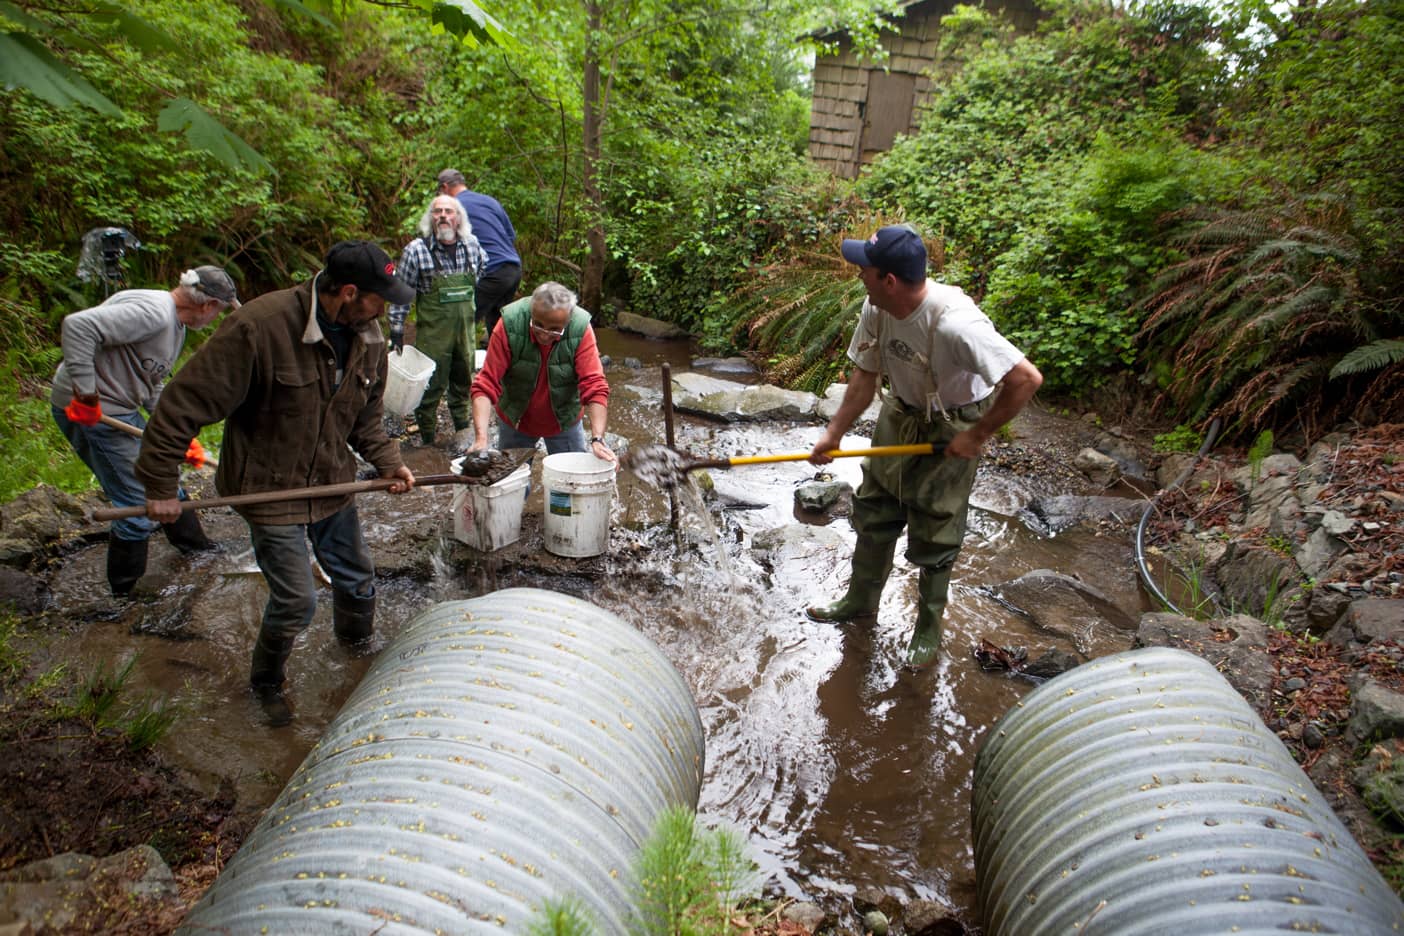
(520, 380)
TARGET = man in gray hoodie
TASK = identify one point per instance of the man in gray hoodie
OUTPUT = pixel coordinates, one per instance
(116, 357)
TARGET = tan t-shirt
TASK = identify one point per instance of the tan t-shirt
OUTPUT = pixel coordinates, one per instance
(946, 354)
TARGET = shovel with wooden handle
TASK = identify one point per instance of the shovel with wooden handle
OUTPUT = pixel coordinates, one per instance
(129, 429)
(273, 497)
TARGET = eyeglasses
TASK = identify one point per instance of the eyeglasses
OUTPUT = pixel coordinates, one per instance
(548, 332)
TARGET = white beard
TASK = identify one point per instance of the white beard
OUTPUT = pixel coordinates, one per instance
(446, 235)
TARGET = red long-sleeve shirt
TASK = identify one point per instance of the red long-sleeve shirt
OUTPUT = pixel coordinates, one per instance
(539, 419)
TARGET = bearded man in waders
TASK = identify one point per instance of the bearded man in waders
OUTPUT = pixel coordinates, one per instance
(443, 266)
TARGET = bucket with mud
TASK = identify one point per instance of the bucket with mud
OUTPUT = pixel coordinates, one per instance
(579, 493)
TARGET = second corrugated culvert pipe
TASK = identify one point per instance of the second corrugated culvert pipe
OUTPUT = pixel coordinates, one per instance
(501, 751)
(1140, 793)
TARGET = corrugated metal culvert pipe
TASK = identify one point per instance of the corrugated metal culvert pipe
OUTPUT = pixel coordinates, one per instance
(1139, 793)
(500, 751)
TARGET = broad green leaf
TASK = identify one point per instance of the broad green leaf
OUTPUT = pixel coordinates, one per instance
(25, 63)
(468, 21)
(202, 131)
(137, 31)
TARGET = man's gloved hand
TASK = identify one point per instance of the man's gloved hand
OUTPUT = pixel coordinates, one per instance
(85, 409)
(195, 454)
(397, 337)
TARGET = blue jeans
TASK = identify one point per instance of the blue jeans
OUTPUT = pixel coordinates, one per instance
(281, 552)
(111, 454)
(567, 440)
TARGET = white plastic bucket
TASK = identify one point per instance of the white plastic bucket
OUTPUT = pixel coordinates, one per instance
(410, 371)
(488, 517)
(575, 506)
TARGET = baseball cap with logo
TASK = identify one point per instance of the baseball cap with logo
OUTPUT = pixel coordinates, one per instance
(895, 249)
(368, 268)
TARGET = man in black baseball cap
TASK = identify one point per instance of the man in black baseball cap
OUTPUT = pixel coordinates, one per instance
(952, 381)
(368, 268)
(298, 376)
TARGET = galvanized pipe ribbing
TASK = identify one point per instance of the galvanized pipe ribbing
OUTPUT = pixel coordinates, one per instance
(500, 751)
(1140, 793)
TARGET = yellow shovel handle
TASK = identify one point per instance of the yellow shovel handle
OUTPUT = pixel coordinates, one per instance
(926, 448)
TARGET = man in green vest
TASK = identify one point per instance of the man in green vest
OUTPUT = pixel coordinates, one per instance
(543, 373)
(442, 265)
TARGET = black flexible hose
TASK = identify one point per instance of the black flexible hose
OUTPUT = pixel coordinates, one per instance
(1209, 438)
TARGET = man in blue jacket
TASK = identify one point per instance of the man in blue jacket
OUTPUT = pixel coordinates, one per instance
(497, 285)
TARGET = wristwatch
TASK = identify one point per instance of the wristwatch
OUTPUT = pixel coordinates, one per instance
(599, 439)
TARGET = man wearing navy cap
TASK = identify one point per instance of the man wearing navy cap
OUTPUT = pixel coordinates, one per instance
(297, 376)
(951, 378)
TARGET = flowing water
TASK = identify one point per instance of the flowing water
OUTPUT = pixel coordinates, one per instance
(840, 769)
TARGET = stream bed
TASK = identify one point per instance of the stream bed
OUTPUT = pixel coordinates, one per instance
(841, 770)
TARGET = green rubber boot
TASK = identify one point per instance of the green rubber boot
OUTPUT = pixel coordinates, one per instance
(872, 563)
(925, 645)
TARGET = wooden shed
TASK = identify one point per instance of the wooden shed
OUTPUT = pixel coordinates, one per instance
(860, 106)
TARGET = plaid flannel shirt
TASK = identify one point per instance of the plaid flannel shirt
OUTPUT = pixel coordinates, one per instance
(416, 267)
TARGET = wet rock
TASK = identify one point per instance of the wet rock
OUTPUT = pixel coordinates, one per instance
(1100, 468)
(1376, 713)
(55, 894)
(1312, 735)
(928, 918)
(1060, 604)
(1051, 663)
(728, 365)
(875, 922)
(808, 915)
(734, 402)
(1053, 515)
(819, 496)
(21, 592)
(797, 541)
(1172, 466)
(1124, 453)
(648, 327)
(1369, 620)
(633, 363)
(868, 899)
(1242, 658)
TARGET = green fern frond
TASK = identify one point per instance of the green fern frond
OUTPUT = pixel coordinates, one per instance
(1371, 357)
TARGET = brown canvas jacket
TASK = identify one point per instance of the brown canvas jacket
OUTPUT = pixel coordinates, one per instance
(269, 372)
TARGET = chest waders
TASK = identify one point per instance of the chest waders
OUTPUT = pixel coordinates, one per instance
(929, 496)
(444, 332)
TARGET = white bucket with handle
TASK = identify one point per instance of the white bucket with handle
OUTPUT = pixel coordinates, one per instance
(579, 491)
(407, 379)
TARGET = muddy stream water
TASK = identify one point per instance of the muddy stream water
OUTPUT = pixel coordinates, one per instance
(840, 769)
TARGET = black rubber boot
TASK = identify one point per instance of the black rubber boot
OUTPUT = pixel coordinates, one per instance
(353, 617)
(266, 678)
(187, 535)
(126, 563)
(872, 563)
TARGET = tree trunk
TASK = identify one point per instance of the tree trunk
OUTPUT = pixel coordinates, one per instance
(592, 278)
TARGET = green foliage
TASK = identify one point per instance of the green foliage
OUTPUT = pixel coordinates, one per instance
(1180, 439)
(1370, 357)
(690, 880)
(565, 917)
(11, 657)
(95, 702)
(1260, 449)
(1265, 306)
